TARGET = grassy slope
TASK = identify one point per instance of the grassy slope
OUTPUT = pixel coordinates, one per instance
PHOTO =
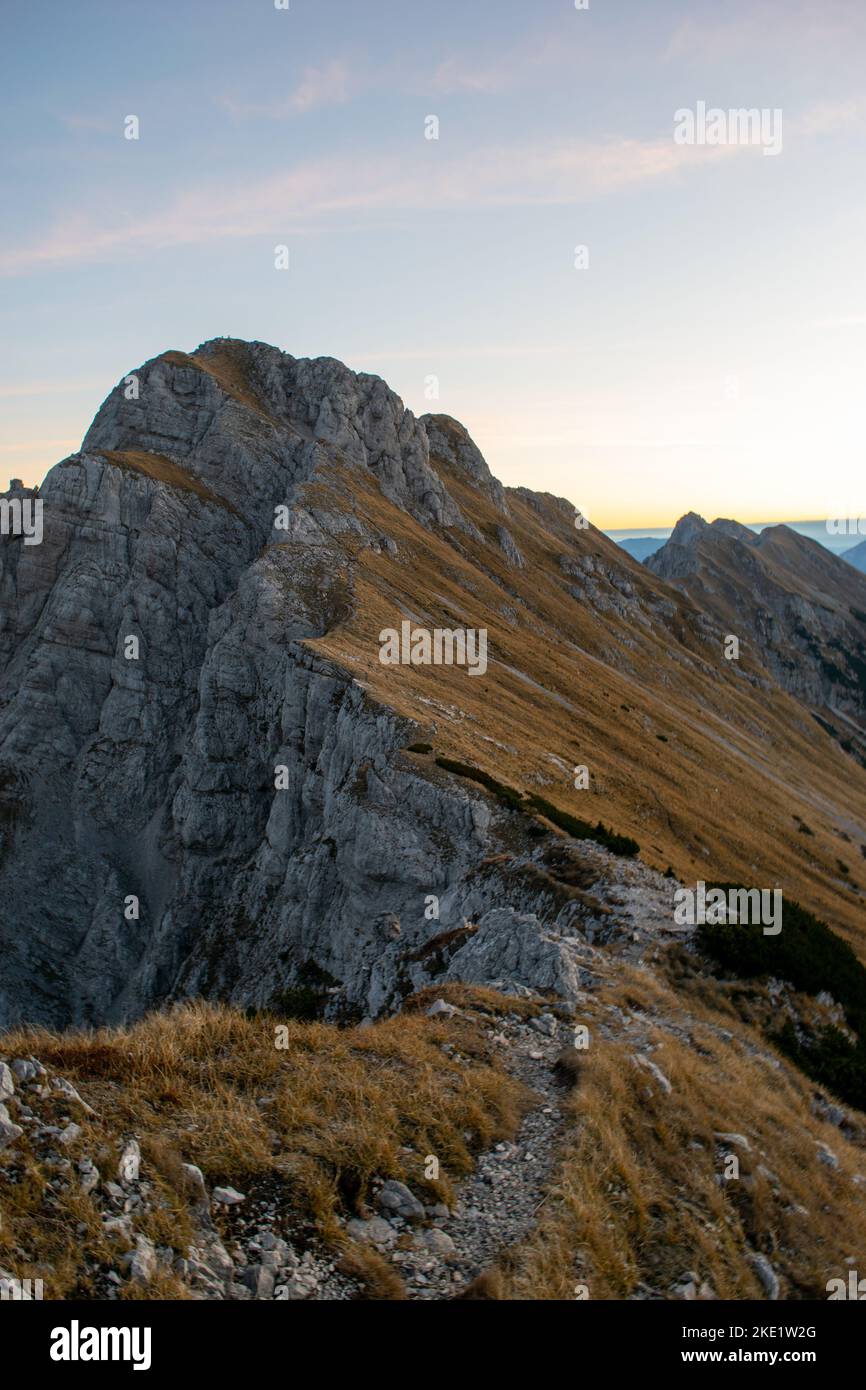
(638, 1196)
(719, 799)
(342, 1105)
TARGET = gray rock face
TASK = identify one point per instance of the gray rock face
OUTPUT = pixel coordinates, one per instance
(510, 548)
(151, 683)
(516, 950)
(449, 441)
(193, 802)
(798, 610)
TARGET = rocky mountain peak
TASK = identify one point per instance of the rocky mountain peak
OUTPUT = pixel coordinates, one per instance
(734, 530)
(688, 529)
(239, 796)
(254, 422)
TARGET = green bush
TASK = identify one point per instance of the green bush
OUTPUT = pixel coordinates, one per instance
(829, 1058)
(809, 956)
(579, 829)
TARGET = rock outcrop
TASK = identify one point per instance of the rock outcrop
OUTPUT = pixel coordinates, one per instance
(800, 609)
(210, 785)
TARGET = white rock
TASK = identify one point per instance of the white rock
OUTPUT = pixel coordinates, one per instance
(766, 1275)
(739, 1141)
(140, 1263)
(67, 1089)
(9, 1132)
(441, 1007)
(655, 1071)
(228, 1196)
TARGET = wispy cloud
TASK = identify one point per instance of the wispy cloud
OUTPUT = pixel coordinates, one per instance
(518, 67)
(765, 25)
(564, 172)
(331, 85)
(327, 86)
(826, 117)
(80, 120)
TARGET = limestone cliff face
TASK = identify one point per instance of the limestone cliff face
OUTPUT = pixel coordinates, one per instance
(210, 785)
(166, 737)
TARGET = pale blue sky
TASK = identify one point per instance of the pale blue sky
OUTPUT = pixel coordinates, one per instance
(712, 355)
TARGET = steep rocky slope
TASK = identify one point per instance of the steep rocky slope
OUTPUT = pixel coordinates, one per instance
(209, 782)
(800, 609)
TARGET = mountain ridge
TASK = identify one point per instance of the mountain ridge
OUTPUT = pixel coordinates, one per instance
(259, 649)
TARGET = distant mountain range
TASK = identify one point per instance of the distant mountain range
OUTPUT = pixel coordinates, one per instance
(856, 556)
(641, 547)
(798, 608)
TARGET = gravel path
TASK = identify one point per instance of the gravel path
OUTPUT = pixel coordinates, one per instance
(496, 1204)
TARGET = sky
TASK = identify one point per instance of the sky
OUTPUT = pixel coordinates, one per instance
(706, 351)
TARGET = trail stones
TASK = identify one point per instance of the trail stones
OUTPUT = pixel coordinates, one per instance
(439, 1243)
(88, 1175)
(375, 1231)
(396, 1199)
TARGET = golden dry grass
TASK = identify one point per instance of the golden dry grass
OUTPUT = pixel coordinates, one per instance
(637, 1197)
(207, 1085)
(162, 470)
(229, 369)
(719, 800)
